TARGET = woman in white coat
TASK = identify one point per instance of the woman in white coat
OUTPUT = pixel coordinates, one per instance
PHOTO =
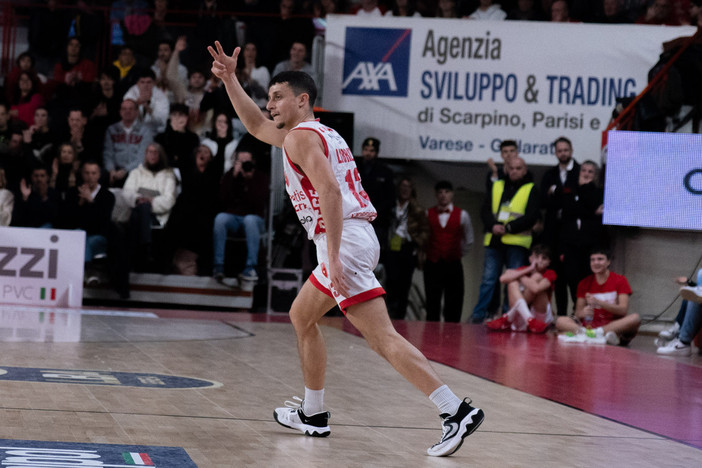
(150, 190)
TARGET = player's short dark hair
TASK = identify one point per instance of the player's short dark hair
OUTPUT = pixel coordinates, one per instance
(508, 143)
(601, 250)
(543, 250)
(300, 82)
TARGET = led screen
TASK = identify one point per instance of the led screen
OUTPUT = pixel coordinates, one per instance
(654, 180)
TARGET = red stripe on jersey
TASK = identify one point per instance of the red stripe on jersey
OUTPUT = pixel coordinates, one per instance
(324, 141)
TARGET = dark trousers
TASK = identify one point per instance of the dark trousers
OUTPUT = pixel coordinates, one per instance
(444, 279)
(399, 266)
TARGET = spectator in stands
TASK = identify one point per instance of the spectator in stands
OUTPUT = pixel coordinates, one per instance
(403, 8)
(189, 228)
(128, 71)
(602, 307)
(409, 232)
(15, 157)
(216, 99)
(560, 12)
(509, 212)
(125, 143)
(40, 137)
(88, 207)
(378, 183)
(37, 204)
(163, 57)
(526, 11)
(24, 63)
(64, 171)
(74, 69)
(488, 10)
(220, 140)
(580, 226)
(152, 102)
(680, 345)
(87, 144)
(611, 13)
(529, 290)
(253, 78)
(150, 191)
(558, 182)
(296, 62)
(104, 104)
(369, 9)
(450, 238)
(7, 200)
(178, 142)
(447, 9)
(287, 30)
(191, 95)
(244, 198)
(660, 12)
(25, 99)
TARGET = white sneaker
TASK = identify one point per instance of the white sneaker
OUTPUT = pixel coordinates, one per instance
(611, 338)
(671, 332)
(692, 293)
(292, 416)
(675, 348)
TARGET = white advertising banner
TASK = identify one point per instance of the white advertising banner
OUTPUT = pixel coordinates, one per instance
(452, 90)
(41, 266)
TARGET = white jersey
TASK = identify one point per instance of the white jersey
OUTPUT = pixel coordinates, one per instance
(355, 201)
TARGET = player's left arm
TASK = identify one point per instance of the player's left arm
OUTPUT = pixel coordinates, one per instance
(305, 149)
(536, 286)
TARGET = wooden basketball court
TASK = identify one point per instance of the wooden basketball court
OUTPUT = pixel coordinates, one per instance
(103, 376)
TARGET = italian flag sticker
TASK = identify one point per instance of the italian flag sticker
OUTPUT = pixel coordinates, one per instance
(133, 458)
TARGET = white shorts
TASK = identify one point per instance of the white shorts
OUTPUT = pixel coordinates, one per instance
(358, 253)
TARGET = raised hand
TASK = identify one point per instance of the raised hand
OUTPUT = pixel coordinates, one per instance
(223, 65)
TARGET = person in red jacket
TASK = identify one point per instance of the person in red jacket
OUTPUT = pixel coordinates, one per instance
(451, 237)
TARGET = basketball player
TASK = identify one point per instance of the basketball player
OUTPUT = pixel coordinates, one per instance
(323, 182)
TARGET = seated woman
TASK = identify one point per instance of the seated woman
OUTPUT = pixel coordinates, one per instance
(64, 170)
(26, 99)
(150, 191)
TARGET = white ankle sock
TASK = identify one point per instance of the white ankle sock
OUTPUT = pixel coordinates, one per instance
(523, 309)
(314, 402)
(445, 400)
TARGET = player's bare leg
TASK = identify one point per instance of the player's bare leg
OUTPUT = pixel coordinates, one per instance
(307, 309)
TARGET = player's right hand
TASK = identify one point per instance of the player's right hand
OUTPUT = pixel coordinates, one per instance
(223, 65)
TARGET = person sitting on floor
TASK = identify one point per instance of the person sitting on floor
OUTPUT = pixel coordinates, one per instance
(602, 305)
(529, 290)
(681, 344)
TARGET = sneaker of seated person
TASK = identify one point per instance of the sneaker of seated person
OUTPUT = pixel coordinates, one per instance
(499, 324)
(671, 332)
(537, 326)
(692, 293)
(611, 338)
(675, 348)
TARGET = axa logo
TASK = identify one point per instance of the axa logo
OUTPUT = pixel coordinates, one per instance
(376, 61)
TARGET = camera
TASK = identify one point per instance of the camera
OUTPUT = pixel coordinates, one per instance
(247, 166)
